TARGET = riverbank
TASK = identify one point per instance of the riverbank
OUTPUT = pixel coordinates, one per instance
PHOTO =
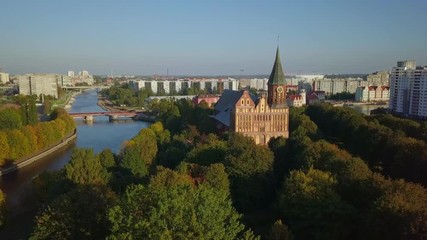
(38, 155)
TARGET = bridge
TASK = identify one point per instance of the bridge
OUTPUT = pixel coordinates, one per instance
(112, 115)
(81, 88)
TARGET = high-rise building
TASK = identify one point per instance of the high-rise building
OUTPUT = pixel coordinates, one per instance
(408, 89)
(259, 118)
(36, 84)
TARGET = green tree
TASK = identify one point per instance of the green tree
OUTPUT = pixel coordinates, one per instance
(10, 119)
(279, 231)
(85, 168)
(50, 185)
(78, 214)
(107, 159)
(146, 142)
(32, 110)
(174, 212)
(131, 161)
(213, 151)
(312, 206)
(250, 168)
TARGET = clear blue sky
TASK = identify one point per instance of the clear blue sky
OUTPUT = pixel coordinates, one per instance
(203, 37)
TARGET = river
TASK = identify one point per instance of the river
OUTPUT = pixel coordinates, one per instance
(98, 135)
(366, 109)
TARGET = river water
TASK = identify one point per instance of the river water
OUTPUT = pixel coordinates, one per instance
(366, 109)
(98, 135)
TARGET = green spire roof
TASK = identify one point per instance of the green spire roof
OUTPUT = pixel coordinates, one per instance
(277, 77)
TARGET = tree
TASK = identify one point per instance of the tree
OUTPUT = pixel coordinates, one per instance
(173, 153)
(2, 208)
(131, 161)
(279, 231)
(32, 110)
(174, 212)
(85, 168)
(50, 185)
(207, 153)
(18, 144)
(398, 211)
(146, 144)
(10, 119)
(30, 135)
(250, 168)
(78, 214)
(312, 206)
(107, 159)
(4, 148)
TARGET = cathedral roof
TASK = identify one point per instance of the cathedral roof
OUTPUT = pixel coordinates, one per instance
(226, 104)
(277, 77)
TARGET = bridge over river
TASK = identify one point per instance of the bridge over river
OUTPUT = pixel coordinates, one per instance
(112, 115)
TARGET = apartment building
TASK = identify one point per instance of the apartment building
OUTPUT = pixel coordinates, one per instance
(408, 89)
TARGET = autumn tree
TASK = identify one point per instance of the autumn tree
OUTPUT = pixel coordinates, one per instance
(4, 147)
(10, 119)
(18, 144)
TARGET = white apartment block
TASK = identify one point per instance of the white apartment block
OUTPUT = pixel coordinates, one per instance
(4, 77)
(47, 84)
(372, 94)
(408, 89)
(334, 86)
(176, 86)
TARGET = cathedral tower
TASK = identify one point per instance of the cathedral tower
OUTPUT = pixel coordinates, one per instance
(277, 85)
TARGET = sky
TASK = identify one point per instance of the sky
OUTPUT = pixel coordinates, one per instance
(202, 37)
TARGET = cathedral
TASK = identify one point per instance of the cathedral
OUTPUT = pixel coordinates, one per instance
(260, 118)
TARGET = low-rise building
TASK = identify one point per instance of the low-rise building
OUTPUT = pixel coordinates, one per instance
(315, 97)
(372, 94)
(210, 99)
(297, 100)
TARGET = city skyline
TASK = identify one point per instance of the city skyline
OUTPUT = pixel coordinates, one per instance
(210, 38)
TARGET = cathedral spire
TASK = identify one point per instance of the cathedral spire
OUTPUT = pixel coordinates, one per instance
(277, 77)
(277, 85)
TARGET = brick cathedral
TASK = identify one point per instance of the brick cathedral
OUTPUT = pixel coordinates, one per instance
(260, 118)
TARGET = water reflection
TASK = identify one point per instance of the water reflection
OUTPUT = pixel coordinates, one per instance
(98, 135)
